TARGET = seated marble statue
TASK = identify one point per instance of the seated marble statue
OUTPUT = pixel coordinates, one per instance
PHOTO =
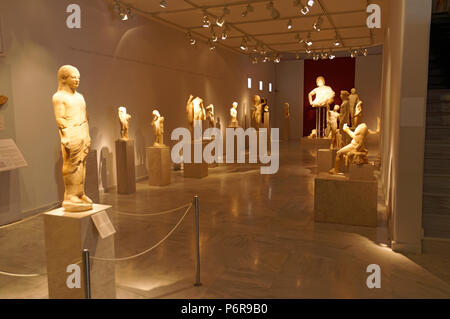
(195, 111)
(233, 115)
(353, 100)
(158, 129)
(323, 95)
(332, 123)
(355, 152)
(257, 111)
(210, 116)
(124, 120)
(71, 117)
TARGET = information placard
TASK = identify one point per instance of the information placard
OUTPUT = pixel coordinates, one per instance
(10, 156)
(103, 224)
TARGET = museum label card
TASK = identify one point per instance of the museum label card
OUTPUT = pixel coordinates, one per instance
(10, 156)
(103, 224)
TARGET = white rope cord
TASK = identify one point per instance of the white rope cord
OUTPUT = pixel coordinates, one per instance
(4, 273)
(119, 212)
(151, 248)
(28, 218)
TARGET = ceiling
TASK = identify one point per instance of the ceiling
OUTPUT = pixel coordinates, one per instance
(344, 20)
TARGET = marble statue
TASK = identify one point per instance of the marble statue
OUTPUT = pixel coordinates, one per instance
(313, 134)
(195, 111)
(124, 120)
(344, 115)
(357, 118)
(287, 111)
(72, 119)
(210, 116)
(257, 111)
(233, 115)
(158, 129)
(353, 99)
(332, 123)
(323, 95)
(354, 152)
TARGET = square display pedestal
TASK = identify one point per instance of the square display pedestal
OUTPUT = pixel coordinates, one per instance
(196, 170)
(361, 172)
(325, 159)
(159, 165)
(125, 167)
(66, 235)
(339, 200)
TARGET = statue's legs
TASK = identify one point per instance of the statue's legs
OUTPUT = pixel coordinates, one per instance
(339, 155)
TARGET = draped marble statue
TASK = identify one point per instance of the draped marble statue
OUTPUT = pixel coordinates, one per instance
(124, 120)
(353, 100)
(195, 111)
(158, 129)
(257, 111)
(233, 115)
(72, 120)
(332, 123)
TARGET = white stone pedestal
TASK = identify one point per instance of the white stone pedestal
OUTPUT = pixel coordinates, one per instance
(325, 159)
(361, 172)
(125, 167)
(159, 165)
(337, 199)
(66, 235)
(196, 170)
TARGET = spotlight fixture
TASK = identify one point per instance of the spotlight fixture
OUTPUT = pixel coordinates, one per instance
(125, 14)
(308, 40)
(221, 20)
(214, 37)
(324, 55)
(308, 50)
(315, 57)
(206, 23)
(305, 10)
(254, 59)
(318, 23)
(277, 58)
(244, 46)
(289, 25)
(224, 35)
(274, 13)
(247, 10)
(163, 4)
(354, 53)
(365, 52)
(331, 56)
(337, 43)
(212, 47)
(191, 40)
(311, 3)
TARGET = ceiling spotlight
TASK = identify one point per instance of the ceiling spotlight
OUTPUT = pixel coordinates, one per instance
(308, 50)
(214, 37)
(277, 58)
(247, 10)
(308, 40)
(125, 14)
(365, 52)
(354, 53)
(254, 60)
(311, 3)
(191, 40)
(289, 25)
(221, 20)
(206, 23)
(244, 46)
(212, 47)
(163, 4)
(337, 43)
(315, 57)
(224, 35)
(305, 10)
(318, 24)
(275, 14)
(331, 56)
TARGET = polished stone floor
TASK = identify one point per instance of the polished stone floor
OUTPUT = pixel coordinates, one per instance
(258, 240)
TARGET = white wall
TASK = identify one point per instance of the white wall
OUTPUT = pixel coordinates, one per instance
(140, 64)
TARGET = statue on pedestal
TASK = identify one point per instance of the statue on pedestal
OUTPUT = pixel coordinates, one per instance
(344, 115)
(71, 117)
(124, 120)
(210, 116)
(233, 115)
(353, 99)
(195, 111)
(332, 123)
(323, 97)
(257, 111)
(354, 152)
(158, 129)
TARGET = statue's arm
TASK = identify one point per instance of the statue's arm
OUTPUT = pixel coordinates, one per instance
(350, 132)
(60, 112)
(310, 96)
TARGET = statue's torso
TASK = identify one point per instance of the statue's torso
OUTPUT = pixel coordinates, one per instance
(75, 108)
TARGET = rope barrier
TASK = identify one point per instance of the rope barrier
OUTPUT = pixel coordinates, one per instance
(4, 273)
(28, 218)
(120, 212)
(151, 248)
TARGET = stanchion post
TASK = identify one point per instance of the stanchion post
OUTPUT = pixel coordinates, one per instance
(87, 273)
(197, 242)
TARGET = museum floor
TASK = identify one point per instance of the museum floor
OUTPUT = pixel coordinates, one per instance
(258, 240)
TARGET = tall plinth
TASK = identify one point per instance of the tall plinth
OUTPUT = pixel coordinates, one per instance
(159, 165)
(196, 170)
(66, 236)
(125, 167)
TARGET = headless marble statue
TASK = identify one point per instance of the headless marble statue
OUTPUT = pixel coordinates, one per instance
(323, 97)
(124, 120)
(158, 129)
(257, 111)
(71, 117)
(355, 151)
(195, 111)
(233, 115)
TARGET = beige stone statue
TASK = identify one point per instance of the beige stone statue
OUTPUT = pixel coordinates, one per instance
(233, 115)
(354, 152)
(124, 120)
(313, 134)
(72, 120)
(353, 100)
(210, 116)
(257, 111)
(323, 95)
(344, 115)
(357, 118)
(332, 123)
(158, 129)
(195, 111)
